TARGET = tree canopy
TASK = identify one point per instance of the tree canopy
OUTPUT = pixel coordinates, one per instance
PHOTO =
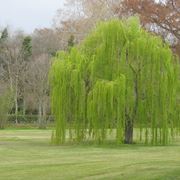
(119, 78)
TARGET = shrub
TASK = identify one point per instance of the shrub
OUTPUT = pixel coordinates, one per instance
(5, 107)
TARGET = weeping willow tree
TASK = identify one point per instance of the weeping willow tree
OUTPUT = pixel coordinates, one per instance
(119, 78)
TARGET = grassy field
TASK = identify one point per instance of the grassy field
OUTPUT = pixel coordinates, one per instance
(28, 154)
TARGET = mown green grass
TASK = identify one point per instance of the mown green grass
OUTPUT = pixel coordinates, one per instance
(28, 154)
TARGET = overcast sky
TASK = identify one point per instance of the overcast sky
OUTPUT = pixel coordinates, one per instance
(28, 14)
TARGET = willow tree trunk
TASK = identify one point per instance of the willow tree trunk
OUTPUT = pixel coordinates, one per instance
(129, 123)
(128, 132)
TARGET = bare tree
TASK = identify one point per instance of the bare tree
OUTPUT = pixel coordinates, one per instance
(14, 56)
(45, 41)
(38, 85)
(80, 16)
(161, 17)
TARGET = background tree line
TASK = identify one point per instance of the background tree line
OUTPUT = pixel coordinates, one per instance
(25, 59)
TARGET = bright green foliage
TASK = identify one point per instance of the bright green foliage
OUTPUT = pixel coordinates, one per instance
(106, 107)
(119, 74)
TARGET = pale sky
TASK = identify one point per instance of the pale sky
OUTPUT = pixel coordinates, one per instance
(28, 14)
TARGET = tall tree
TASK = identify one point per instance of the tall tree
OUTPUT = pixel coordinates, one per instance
(38, 85)
(26, 53)
(157, 16)
(80, 16)
(120, 77)
(16, 51)
(160, 17)
(45, 43)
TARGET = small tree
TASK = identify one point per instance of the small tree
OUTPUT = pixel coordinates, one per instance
(120, 77)
(6, 105)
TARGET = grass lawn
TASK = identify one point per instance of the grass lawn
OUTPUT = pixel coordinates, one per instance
(27, 154)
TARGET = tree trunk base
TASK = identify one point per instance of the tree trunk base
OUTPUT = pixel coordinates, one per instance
(128, 133)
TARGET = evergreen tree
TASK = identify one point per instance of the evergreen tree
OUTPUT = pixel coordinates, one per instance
(27, 47)
(4, 34)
